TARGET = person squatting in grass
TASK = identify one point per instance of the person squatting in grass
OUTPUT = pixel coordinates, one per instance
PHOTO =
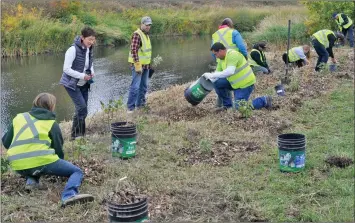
(78, 72)
(233, 73)
(298, 56)
(257, 59)
(34, 146)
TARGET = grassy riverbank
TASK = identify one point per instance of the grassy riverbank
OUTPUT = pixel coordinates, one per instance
(195, 165)
(59, 21)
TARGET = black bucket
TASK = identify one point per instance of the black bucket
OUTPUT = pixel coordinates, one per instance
(136, 212)
(198, 90)
(124, 139)
(280, 90)
(292, 152)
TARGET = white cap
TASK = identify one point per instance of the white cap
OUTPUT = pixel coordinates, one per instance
(146, 20)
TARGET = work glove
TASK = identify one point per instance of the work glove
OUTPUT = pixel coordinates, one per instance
(138, 67)
(210, 77)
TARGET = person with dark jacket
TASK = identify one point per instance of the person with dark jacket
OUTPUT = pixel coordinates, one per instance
(323, 42)
(257, 59)
(34, 146)
(346, 26)
(77, 76)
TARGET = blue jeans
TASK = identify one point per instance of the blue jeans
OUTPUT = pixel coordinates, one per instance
(222, 87)
(349, 33)
(60, 168)
(80, 98)
(323, 54)
(138, 89)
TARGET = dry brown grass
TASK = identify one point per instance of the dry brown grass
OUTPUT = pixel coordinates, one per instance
(180, 164)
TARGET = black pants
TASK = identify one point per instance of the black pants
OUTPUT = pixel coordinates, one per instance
(323, 54)
(299, 63)
(80, 98)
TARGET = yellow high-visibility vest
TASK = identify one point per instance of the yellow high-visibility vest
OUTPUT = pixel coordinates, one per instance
(340, 21)
(145, 52)
(253, 62)
(224, 36)
(321, 36)
(30, 146)
(292, 55)
(243, 76)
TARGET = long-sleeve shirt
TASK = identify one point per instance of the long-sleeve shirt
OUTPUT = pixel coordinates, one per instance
(345, 18)
(68, 62)
(256, 57)
(237, 39)
(332, 40)
(136, 43)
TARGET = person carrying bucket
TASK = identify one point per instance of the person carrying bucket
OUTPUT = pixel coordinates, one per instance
(346, 26)
(323, 42)
(233, 73)
(231, 39)
(34, 146)
(257, 59)
(298, 56)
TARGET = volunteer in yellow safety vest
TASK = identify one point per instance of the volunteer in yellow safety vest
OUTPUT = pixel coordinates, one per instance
(139, 57)
(233, 73)
(323, 42)
(298, 56)
(346, 26)
(257, 59)
(35, 148)
(231, 39)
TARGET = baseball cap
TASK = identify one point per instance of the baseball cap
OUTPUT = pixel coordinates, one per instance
(262, 44)
(146, 20)
(334, 14)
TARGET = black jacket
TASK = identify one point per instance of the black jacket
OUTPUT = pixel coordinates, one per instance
(54, 134)
(256, 57)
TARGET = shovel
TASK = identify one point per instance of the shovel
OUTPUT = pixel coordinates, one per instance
(280, 90)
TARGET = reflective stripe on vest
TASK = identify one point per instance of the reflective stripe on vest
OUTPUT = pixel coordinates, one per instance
(243, 76)
(293, 56)
(321, 36)
(30, 146)
(340, 21)
(253, 62)
(225, 36)
(145, 51)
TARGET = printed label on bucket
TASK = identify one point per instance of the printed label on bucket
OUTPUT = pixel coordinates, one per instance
(198, 92)
(124, 147)
(292, 161)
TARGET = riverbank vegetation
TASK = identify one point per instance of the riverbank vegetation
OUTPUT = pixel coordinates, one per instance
(195, 165)
(30, 28)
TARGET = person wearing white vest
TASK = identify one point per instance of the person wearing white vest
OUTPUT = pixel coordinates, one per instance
(139, 58)
(298, 56)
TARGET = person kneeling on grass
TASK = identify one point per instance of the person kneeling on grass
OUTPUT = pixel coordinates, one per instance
(35, 148)
(233, 73)
(257, 59)
(298, 56)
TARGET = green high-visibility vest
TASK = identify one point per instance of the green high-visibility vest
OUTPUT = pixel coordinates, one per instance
(30, 146)
(340, 21)
(224, 36)
(321, 36)
(253, 62)
(145, 52)
(243, 76)
(292, 55)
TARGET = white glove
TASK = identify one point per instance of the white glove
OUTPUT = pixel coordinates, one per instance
(208, 76)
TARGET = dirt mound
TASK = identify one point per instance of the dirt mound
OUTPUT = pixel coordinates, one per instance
(186, 113)
(339, 161)
(221, 153)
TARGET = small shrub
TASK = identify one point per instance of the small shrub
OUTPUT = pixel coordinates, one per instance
(245, 108)
(205, 146)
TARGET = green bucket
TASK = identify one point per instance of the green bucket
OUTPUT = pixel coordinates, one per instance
(124, 140)
(292, 152)
(124, 147)
(198, 90)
